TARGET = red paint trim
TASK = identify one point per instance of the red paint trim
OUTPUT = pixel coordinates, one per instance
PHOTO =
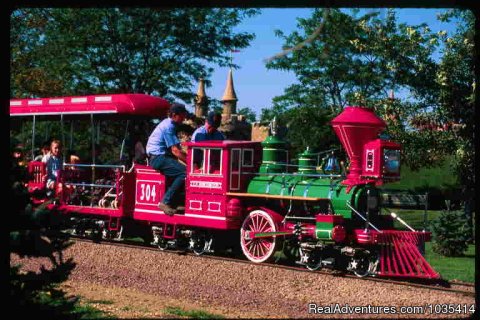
(329, 218)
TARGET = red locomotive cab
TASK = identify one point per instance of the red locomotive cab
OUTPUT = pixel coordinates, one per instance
(214, 170)
(381, 161)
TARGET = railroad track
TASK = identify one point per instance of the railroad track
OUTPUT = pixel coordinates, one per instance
(457, 287)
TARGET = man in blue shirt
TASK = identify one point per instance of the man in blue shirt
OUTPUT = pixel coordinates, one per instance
(205, 133)
(163, 150)
(209, 130)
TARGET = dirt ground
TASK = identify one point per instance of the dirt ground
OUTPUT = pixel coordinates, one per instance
(137, 283)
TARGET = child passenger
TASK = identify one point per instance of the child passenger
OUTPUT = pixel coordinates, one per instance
(53, 162)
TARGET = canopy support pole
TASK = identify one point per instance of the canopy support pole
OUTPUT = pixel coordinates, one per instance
(71, 135)
(124, 138)
(63, 136)
(33, 137)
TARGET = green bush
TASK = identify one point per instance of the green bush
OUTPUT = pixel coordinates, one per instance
(450, 233)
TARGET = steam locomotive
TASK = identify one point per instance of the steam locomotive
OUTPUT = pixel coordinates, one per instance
(243, 193)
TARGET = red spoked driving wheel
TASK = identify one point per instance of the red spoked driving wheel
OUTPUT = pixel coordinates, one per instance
(258, 249)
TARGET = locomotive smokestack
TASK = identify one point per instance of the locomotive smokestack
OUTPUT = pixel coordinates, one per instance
(356, 126)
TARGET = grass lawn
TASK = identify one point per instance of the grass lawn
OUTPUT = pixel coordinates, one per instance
(191, 314)
(453, 268)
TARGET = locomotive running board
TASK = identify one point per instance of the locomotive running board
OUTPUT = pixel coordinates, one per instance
(400, 255)
(274, 196)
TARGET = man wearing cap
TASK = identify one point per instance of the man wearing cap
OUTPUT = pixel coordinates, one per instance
(209, 130)
(163, 150)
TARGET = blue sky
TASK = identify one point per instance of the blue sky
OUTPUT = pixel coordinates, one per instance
(254, 84)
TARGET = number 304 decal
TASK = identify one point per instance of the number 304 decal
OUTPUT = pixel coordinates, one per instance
(147, 192)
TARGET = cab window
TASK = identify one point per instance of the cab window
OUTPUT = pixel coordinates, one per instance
(197, 165)
(215, 161)
(206, 161)
(247, 158)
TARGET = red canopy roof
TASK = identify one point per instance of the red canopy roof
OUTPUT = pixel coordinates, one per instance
(111, 104)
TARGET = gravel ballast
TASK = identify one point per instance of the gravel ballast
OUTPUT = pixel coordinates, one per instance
(236, 289)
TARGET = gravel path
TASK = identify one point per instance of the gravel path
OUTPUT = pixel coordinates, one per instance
(154, 280)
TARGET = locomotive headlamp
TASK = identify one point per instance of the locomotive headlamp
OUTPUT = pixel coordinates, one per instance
(392, 161)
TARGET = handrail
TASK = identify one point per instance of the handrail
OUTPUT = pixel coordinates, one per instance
(94, 165)
(90, 185)
(273, 196)
(396, 216)
(364, 219)
(295, 174)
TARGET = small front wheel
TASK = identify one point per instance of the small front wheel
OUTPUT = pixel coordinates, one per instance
(360, 266)
(162, 244)
(201, 244)
(314, 262)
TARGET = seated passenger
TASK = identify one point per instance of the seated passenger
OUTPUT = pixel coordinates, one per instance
(72, 158)
(209, 130)
(44, 151)
(19, 156)
(18, 171)
(54, 164)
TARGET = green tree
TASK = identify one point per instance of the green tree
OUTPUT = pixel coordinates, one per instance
(306, 126)
(29, 77)
(357, 59)
(456, 81)
(248, 113)
(109, 50)
(33, 233)
(450, 234)
(456, 100)
(64, 51)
